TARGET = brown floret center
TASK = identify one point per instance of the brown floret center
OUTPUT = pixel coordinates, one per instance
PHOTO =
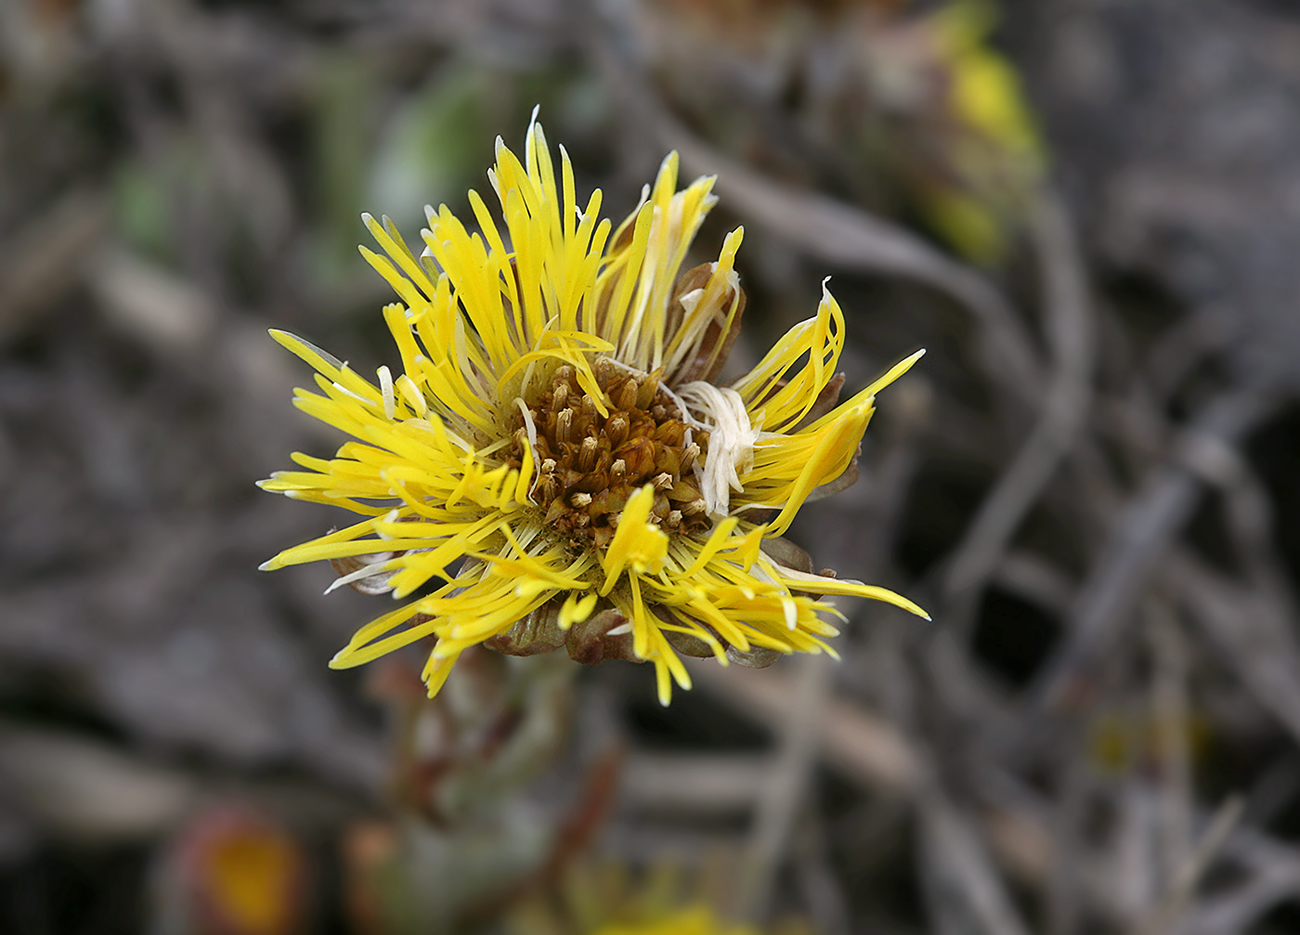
(588, 465)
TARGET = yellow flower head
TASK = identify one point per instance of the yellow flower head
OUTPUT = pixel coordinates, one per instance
(554, 456)
(697, 920)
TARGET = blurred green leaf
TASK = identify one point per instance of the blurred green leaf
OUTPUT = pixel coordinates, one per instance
(433, 148)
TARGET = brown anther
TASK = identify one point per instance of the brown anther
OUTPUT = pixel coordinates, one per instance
(564, 426)
(580, 501)
(661, 508)
(659, 412)
(689, 454)
(645, 393)
(588, 408)
(617, 470)
(593, 482)
(563, 376)
(624, 395)
(606, 370)
(663, 481)
(670, 432)
(694, 508)
(674, 518)
(519, 440)
(609, 500)
(668, 459)
(548, 466)
(683, 492)
(642, 426)
(581, 520)
(587, 454)
(560, 399)
(639, 455)
(547, 488)
(616, 428)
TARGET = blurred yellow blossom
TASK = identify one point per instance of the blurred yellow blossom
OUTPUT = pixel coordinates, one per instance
(996, 155)
(696, 920)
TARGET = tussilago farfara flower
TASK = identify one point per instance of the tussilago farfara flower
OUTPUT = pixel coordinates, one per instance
(554, 455)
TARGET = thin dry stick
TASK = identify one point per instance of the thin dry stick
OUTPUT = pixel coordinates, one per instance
(870, 752)
(784, 791)
(1192, 868)
(43, 261)
(1250, 511)
(969, 888)
(1274, 875)
(1170, 708)
(1253, 635)
(853, 740)
(822, 893)
(1065, 888)
(1069, 330)
(1147, 525)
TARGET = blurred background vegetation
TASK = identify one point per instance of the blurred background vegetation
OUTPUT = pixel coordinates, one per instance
(1087, 210)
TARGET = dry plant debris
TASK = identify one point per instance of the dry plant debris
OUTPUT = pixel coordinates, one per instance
(1092, 487)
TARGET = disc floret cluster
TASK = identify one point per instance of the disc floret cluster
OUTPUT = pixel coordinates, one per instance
(592, 464)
